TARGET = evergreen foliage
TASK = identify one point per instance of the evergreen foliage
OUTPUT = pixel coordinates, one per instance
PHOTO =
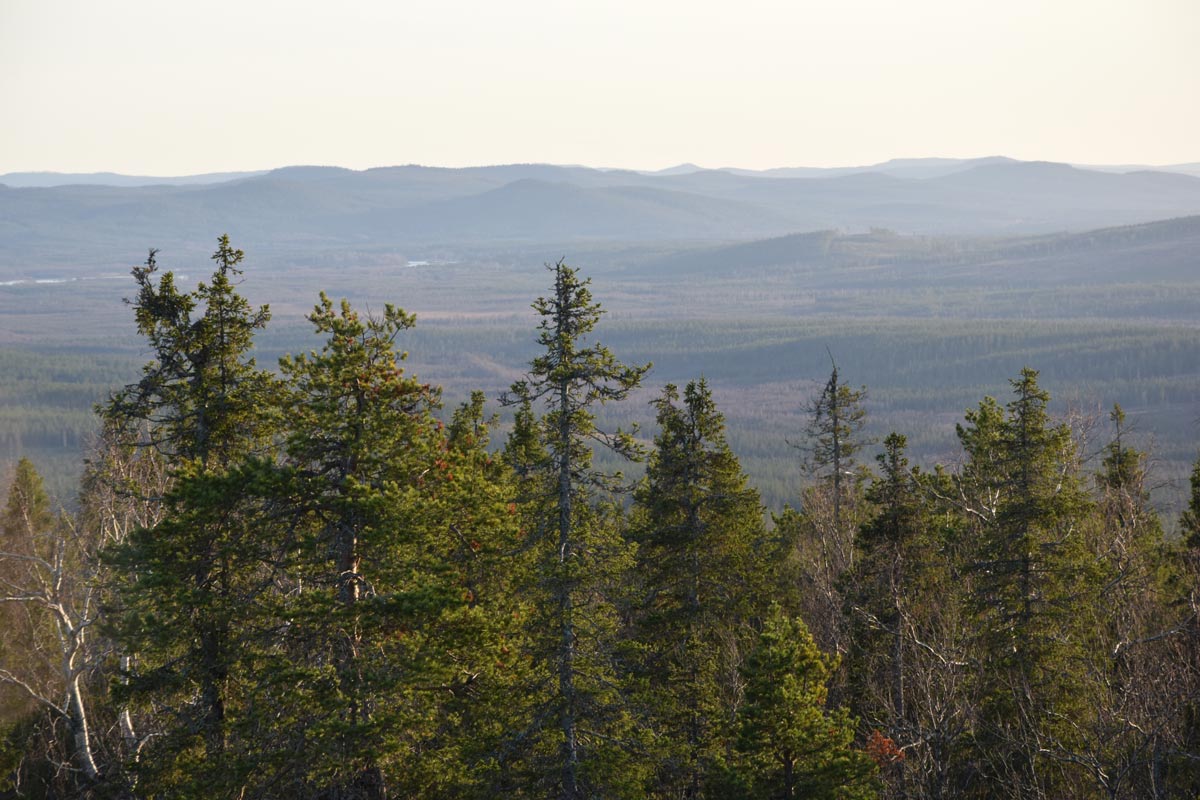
(306, 586)
(1189, 523)
(580, 558)
(186, 584)
(790, 744)
(701, 579)
(818, 538)
(1030, 584)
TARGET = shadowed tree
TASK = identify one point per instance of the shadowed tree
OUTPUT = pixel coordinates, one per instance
(50, 599)
(818, 539)
(1032, 581)
(701, 575)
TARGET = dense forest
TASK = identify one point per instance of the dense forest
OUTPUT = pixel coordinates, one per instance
(311, 581)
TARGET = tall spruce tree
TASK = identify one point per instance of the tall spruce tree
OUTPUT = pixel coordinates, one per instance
(201, 398)
(185, 584)
(403, 511)
(1132, 653)
(578, 733)
(701, 574)
(1031, 583)
(836, 420)
(893, 546)
(1183, 767)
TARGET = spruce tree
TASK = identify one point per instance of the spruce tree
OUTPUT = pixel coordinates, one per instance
(202, 398)
(578, 732)
(790, 744)
(905, 662)
(1179, 759)
(836, 420)
(1132, 653)
(893, 546)
(394, 627)
(1030, 585)
(186, 583)
(700, 575)
(818, 538)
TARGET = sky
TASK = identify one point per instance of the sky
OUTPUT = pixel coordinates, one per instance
(158, 87)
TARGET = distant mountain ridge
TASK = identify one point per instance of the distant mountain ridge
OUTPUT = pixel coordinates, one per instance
(930, 167)
(47, 179)
(311, 208)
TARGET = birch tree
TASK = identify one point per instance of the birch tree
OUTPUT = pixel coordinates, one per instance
(50, 591)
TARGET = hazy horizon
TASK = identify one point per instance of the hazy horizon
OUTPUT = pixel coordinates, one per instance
(144, 88)
(605, 167)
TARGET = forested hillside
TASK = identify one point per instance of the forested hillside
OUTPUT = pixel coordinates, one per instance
(307, 578)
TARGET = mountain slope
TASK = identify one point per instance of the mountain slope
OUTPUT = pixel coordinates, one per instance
(1163, 251)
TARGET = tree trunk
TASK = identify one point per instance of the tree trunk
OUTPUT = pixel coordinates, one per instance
(566, 661)
(79, 725)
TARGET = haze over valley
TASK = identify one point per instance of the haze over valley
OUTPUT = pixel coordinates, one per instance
(931, 280)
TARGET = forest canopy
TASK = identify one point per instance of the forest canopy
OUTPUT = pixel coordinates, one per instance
(312, 581)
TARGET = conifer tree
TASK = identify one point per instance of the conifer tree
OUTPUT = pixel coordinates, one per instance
(1133, 625)
(202, 397)
(836, 419)
(1031, 583)
(579, 728)
(186, 583)
(790, 744)
(700, 574)
(1179, 761)
(402, 511)
(905, 661)
(818, 538)
(1189, 522)
(882, 605)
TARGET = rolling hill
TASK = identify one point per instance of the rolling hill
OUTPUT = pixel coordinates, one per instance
(327, 209)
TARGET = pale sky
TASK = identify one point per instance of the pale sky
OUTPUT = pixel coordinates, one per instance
(173, 87)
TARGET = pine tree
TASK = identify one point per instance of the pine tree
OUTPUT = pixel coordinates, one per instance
(580, 555)
(790, 744)
(699, 530)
